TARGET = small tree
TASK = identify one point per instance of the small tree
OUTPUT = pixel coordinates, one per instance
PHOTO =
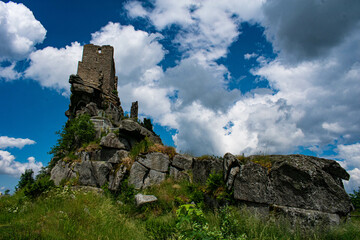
(74, 134)
(148, 125)
(26, 179)
(355, 198)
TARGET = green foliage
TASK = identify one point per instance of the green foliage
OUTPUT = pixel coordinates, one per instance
(7, 192)
(355, 198)
(141, 147)
(192, 224)
(40, 186)
(214, 181)
(115, 92)
(159, 228)
(66, 214)
(33, 188)
(26, 179)
(74, 134)
(147, 124)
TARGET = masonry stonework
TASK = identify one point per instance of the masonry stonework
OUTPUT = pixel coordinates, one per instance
(97, 70)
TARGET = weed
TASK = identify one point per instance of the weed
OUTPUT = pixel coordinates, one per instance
(141, 147)
(170, 151)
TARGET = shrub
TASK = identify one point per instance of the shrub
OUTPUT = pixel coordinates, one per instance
(263, 160)
(40, 186)
(355, 198)
(170, 151)
(26, 179)
(147, 124)
(74, 134)
(141, 147)
(33, 188)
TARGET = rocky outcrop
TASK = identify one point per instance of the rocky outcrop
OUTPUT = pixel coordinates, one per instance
(203, 167)
(311, 184)
(296, 186)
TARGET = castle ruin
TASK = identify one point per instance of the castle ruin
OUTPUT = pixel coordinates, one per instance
(95, 82)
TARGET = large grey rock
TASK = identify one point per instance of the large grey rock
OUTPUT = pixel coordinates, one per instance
(107, 153)
(252, 184)
(309, 183)
(230, 161)
(118, 156)
(231, 177)
(306, 218)
(177, 174)
(101, 171)
(93, 173)
(182, 161)
(61, 171)
(112, 141)
(154, 178)
(101, 125)
(155, 161)
(85, 173)
(294, 181)
(133, 130)
(202, 168)
(141, 199)
(137, 175)
(116, 177)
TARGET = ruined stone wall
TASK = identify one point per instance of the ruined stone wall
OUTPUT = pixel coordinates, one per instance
(97, 68)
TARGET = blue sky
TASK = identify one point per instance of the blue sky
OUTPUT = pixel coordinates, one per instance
(240, 76)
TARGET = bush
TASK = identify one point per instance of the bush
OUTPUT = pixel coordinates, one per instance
(40, 186)
(33, 188)
(74, 134)
(147, 124)
(141, 147)
(170, 151)
(26, 179)
(355, 198)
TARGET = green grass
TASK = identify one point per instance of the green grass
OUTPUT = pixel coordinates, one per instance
(64, 214)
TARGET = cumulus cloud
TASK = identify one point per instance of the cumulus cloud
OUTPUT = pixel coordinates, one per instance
(350, 154)
(354, 182)
(309, 29)
(51, 67)
(9, 142)
(207, 27)
(19, 31)
(135, 51)
(9, 73)
(9, 166)
(248, 56)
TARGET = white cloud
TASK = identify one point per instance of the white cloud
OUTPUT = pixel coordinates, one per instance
(9, 142)
(207, 27)
(350, 154)
(9, 73)
(248, 56)
(51, 67)
(135, 9)
(9, 166)
(354, 182)
(135, 51)
(333, 127)
(19, 31)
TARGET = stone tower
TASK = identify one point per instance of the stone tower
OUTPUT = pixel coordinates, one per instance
(95, 83)
(97, 70)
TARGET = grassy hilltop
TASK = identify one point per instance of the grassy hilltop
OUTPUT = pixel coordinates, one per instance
(63, 213)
